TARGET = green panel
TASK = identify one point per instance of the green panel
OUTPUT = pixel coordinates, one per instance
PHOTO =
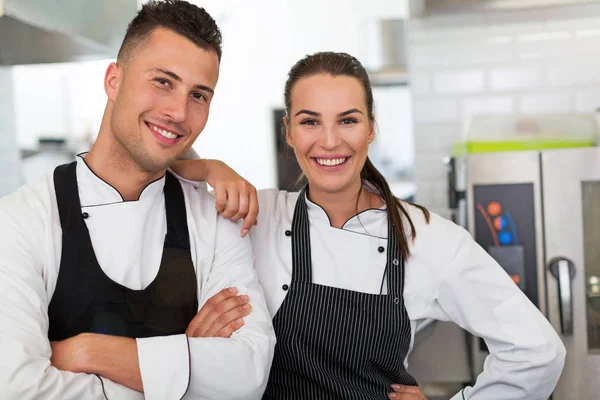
(462, 148)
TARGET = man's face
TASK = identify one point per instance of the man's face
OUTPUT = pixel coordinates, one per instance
(161, 98)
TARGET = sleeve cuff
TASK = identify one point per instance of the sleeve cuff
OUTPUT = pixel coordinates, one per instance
(114, 391)
(164, 366)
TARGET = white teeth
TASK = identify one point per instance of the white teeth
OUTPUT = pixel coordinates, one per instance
(167, 134)
(331, 162)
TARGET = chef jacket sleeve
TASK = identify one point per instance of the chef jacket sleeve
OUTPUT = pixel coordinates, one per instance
(526, 354)
(219, 368)
(25, 369)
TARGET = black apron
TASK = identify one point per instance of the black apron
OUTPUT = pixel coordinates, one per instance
(86, 300)
(334, 343)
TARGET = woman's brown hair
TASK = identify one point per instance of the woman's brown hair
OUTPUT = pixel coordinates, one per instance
(342, 64)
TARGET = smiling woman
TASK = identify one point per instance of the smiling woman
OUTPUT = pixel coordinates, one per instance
(349, 271)
(330, 124)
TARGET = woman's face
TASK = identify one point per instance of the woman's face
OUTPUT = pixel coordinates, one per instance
(330, 130)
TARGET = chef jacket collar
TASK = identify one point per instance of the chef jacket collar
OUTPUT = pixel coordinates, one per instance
(356, 223)
(93, 191)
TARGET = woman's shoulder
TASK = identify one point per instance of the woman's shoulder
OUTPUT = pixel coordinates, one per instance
(436, 238)
(275, 204)
(276, 198)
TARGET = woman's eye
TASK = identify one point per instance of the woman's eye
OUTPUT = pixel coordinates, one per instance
(308, 122)
(346, 121)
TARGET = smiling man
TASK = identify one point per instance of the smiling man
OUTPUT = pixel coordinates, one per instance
(117, 278)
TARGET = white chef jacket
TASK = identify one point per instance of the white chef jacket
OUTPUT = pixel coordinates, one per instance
(128, 238)
(448, 277)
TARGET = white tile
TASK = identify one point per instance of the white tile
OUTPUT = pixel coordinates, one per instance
(424, 196)
(588, 100)
(483, 105)
(432, 29)
(572, 17)
(555, 45)
(460, 54)
(550, 36)
(443, 212)
(435, 138)
(430, 166)
(419, 83)
(579, 73)
(514, 78)
(448, 22)
(467, 81)
(432, 194)
(546, 102)
(439, 110)
(514, 22)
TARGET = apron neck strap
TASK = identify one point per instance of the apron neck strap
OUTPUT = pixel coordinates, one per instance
(395, 263)
(67, 196)
(301, 252)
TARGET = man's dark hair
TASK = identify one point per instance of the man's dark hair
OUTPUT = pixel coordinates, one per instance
(179, 16)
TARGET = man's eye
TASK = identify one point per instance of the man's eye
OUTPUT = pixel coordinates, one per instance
(199, 96)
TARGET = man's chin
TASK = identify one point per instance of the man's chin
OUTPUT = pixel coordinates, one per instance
(155, 165)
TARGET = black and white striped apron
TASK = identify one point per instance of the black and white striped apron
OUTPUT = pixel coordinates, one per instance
(335, 343)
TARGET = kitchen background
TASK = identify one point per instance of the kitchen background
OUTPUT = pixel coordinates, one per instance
(462, 58)
(434, 64)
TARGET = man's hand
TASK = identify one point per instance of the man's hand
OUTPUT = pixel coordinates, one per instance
(111, 357)
(69, 354)
(220, 316)
(403, 392)
(236, 198)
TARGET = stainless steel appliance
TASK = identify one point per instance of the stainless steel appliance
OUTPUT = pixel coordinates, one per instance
(538, 214)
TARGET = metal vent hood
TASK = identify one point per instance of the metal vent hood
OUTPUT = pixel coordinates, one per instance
(419, 8)
(42, 31)
(386, 59)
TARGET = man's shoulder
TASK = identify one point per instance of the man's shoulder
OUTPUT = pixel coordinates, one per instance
(33, 197)
(27, 211)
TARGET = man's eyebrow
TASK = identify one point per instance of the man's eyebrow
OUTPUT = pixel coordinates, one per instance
(173, 75)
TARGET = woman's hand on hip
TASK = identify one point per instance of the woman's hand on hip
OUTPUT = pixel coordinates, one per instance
(404, 392)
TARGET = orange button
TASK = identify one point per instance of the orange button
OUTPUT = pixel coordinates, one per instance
(516, 279)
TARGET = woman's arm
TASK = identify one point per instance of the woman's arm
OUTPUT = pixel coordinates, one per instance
(526, 354)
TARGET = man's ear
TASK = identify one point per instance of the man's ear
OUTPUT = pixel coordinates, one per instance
(112, 80)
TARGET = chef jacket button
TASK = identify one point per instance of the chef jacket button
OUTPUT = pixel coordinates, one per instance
(85, 215)
(395, 261)
(288, 233)
(380, 249)
(396, 300)
(285, 287)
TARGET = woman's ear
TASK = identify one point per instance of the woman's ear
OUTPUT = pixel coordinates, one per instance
(371, 135)
(288, 136)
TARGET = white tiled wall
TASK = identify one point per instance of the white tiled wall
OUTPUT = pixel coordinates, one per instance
(9, 155)
(528, 61)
